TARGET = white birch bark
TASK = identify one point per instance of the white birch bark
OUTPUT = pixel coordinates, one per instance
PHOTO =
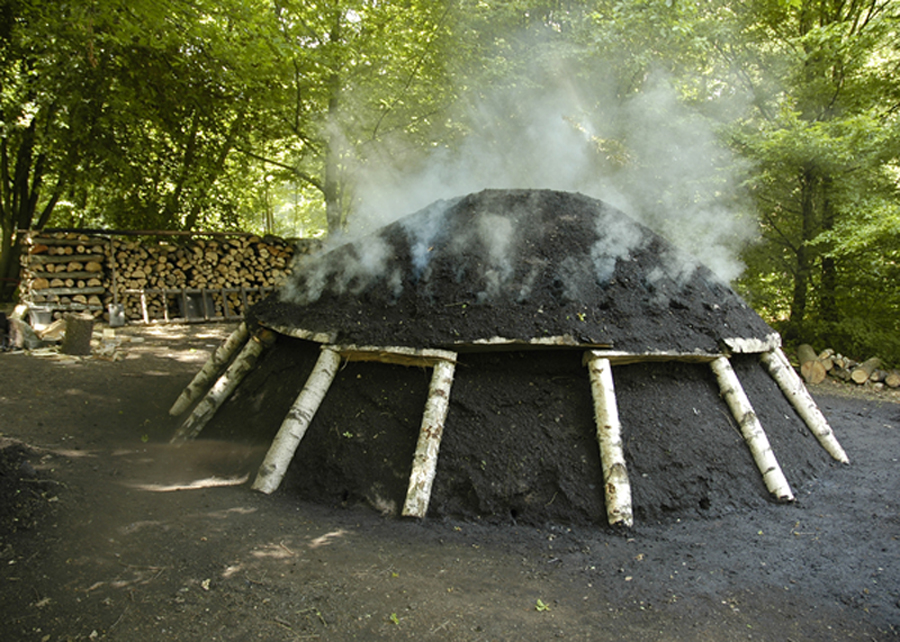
(210, 369)
(424, 467)
(224, 386)
(776, 362)
(297, 421)
(616, 485)
(751, 429)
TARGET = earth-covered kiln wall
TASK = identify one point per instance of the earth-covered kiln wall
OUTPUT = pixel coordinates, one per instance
(519, 442)
(153, 277)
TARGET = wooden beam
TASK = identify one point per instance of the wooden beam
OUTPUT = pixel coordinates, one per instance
(741, 345)
(424, 468)
(211, 369)
(301, 333)
(243, 363)
(297, 421)
(426, 358)
(616, 485)
(752, 430)
(620, 358)
(559, 341)
(776, 362)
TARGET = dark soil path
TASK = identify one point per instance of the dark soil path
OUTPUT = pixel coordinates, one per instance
(108, 533)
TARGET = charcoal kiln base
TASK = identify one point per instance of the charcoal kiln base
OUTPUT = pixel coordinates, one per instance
(519, 442)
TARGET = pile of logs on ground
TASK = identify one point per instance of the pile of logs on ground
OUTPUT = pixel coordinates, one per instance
(816, 366)
(154, 277)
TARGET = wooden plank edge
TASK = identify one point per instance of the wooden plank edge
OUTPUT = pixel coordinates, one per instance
(621, 358)
(744, 345)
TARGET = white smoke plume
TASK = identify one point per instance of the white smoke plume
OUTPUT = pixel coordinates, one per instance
(672, 174)
(649, 156)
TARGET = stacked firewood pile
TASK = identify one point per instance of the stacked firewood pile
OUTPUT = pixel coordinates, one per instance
(66, 271)
(154, 279)
(816, 366)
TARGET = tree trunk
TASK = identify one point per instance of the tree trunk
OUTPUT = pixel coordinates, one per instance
(751, 430)
(9, 264)
(780, 368)
(811, 368)
(828, 308)
(808, 183)
(861, 373)
(297, 421)
(243, 363)
(331, 184)
(616, 484)
(211, 369)
(424, 468)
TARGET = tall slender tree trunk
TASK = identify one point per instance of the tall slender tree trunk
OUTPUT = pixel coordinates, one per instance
(800, 296)
(9, 264)
(20, 189)
(828, 307)
(334, 214)
(20, 186)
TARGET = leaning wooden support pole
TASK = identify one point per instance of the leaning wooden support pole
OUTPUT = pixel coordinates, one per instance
(297, 421)
(776, 362)
(424, 467)
(752, 430)
(224, 386)
(210, 370)
(609, 437)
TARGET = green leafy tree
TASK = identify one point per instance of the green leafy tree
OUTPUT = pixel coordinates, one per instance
(127, 111)
(41, 111)
(355, 76)
(822, 133)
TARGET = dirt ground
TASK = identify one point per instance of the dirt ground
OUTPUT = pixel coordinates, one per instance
(109, 533)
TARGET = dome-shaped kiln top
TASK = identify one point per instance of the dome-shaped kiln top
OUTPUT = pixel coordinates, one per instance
(513, 266)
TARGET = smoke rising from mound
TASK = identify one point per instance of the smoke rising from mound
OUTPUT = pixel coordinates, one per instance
(666, 169)
(649, 156)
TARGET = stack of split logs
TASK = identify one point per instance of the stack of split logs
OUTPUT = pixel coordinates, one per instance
(66, 272)
(816, 366)
(235, 272)
(152, 279)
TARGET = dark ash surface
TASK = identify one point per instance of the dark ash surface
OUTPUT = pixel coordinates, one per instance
(518, 264)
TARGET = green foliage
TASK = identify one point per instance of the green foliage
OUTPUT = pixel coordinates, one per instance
(821, 135)
(859, 338)
(260, 114)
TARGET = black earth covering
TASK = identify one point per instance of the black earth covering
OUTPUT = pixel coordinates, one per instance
(516, 264)
(519, 442)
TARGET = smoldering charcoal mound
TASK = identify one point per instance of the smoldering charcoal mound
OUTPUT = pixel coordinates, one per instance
(515, 264)
(519, 438)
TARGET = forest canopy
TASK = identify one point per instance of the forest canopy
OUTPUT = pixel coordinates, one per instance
(761, 136)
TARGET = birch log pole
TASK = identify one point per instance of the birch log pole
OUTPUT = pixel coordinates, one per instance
(210, 369)
(751, 429)
(609, 437)
(424, 467)
(297, 421)
(224, 386)
(776, 362)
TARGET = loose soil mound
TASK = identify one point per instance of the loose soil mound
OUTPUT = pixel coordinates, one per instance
(518, 264)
